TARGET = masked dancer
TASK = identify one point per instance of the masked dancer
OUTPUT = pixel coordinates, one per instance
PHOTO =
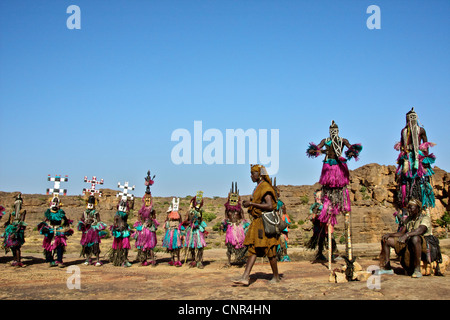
(414, 162)
(55, 228)
(92, 229)
(282, 254)
(120, 230)
(320, 230)
(146, 226)
(235, 227)
(195, 231)
(334, 180)
(14, 235)
(172, 240)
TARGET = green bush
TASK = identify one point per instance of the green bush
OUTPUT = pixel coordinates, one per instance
(365, 195)
(444, 221)
(304, 199)
(217, 226)
(209, 216)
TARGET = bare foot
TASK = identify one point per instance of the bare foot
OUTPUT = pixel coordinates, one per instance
(243, 281)
(275, 280)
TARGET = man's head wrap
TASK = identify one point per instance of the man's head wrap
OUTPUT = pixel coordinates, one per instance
(262, 171)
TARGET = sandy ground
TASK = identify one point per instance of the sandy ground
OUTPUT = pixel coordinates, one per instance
(301, 279)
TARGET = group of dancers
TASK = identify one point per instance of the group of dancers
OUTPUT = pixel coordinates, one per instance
(183, 235)
(244, 238)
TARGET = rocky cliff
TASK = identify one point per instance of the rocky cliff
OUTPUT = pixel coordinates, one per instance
(372, 194)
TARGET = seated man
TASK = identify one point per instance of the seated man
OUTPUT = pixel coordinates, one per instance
(410, 243)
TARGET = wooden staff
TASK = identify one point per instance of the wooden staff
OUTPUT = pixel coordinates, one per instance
(330, 246)
(349, 236)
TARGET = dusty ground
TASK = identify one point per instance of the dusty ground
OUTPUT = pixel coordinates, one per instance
(300, 279)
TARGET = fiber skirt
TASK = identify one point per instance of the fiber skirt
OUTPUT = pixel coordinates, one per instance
(14, 236)
(172, 239)
(195, 239)
(335, 201)
(235, 235)
(334, 174)
(121, 243)
(93, 234)
(145, 239)
(51, 243)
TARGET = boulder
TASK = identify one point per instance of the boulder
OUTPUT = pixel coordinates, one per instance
(428, 269)
(380, 194)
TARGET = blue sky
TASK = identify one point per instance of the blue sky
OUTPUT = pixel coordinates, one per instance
(105, 99)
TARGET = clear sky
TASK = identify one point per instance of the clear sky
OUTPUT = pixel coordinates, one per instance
(105, 99)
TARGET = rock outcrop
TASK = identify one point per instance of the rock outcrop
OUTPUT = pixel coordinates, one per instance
(372, 192)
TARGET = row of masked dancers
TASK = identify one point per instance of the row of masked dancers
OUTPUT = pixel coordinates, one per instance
(184, 237)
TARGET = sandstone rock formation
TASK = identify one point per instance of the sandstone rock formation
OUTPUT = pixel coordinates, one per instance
(372, 192)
